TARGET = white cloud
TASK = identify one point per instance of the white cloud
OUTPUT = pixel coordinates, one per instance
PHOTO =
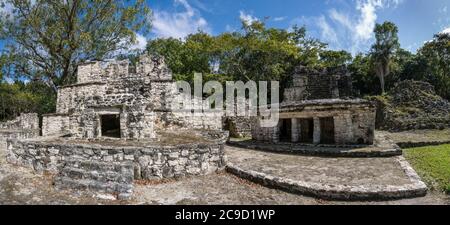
(328, 33)
(446, 31)
(341, 18)
(247, 18)
(366, 23)
(141, 43)
(279, 19)
(178, 24)
(359, 28)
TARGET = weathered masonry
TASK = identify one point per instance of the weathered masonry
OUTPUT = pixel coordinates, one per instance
(118, 123)
(118, 100)
(318, 109)
(24, 126)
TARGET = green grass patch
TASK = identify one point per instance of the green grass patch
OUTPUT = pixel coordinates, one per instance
(432, 164)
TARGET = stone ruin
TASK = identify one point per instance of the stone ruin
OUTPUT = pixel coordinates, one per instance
(412, 105)
(24, 126)
(116, 124)
(319, 109)
(115, 99)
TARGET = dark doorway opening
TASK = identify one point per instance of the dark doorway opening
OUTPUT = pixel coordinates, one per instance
(306, 130)
(286, 130)
(327, 130)
(110, 126)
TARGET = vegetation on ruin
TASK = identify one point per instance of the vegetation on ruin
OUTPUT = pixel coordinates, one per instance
(411, 105)
(433, 165)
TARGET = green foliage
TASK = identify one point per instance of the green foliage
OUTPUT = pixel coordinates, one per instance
(434, 64)
(433, 164)
(363, 77)
(32, 97)
(384, 49)
(335, 58)
(256, 53)
(46, 40)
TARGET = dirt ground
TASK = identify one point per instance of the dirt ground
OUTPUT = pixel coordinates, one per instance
(22, 186)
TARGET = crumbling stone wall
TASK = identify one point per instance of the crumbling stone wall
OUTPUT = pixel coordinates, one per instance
(23, 127)
(55, 124)
(142, 96)
(353, 122)
(238, 127)
(329, 83)
(150, 162)
(319, 109)
(24, 121)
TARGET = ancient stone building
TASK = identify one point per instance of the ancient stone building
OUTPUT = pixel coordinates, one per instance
(118, 100)
(319, 109)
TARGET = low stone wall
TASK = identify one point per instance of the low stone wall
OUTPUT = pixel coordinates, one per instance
(23, 127)
(18, 134)
(350, 151)
(150, 162)
(55, 124)
(24, 121)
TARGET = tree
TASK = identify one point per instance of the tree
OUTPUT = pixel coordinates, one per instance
(332, 58)
(433, 63)
(361, 69)
(255, 53)
(20, 97)
(384, 49)
(46, 39)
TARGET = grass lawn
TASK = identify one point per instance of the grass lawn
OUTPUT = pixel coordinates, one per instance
(432, 164)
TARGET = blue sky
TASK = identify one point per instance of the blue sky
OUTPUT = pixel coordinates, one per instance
(344, 24)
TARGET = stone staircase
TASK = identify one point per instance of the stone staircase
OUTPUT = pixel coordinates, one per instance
(105, 178)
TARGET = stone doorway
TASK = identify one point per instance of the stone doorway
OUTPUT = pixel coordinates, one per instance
(286, 130)
(110, 126)
(306, 130)
(327, 130)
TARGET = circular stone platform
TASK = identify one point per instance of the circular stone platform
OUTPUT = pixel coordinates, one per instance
(383, 147)
(328, 178)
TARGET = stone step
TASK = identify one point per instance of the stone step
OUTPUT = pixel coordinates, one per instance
(104, 177)
(90, 165)
(123, 191)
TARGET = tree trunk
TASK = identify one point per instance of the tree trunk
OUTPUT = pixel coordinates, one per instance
(382, 83)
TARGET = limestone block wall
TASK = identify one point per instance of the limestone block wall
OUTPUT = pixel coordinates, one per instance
(75, 97)
(153, 68)
(150, 68)
(238, 126)
(364, 126)
(55, 124)
(353, 124)
(311, 84)
(151, 162)
(266, 134)
(188, 120)
(18, 134)
(28, 121)
(101, 71)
